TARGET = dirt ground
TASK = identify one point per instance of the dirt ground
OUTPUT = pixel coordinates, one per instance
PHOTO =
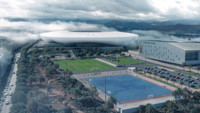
(56, 92)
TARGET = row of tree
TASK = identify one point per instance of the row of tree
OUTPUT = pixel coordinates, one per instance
(185, 102)
(28, 100)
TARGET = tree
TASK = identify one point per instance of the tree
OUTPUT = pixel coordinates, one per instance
(76, 92)
(32, 106)
(196, 96)
(167, 78)
(190, 67)
(111, 102)
(31, 79)
(150, 109)
(178, 94)
(18, 96)
(65, 110)
(183, 64)
(142, 108)
(186, 94)
(18, 108)
(181, 83)
(41, 79)
(198, 68)
(195, 110)
(171, 106)
(88, 102)
(155, 73)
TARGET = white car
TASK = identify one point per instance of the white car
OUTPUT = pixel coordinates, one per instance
(5, 94)
(7, 102)
(10, 93)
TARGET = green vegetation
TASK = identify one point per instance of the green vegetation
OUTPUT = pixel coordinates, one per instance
(190, 72)
(23, 99)
(123, 61)
(94, 52)
(147, 64)
(82, 65)
(185, 102)
(127, 61)
(27, 97)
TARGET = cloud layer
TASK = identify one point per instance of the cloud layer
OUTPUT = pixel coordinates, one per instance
(98, 9)
(20, 31)
(155, 35)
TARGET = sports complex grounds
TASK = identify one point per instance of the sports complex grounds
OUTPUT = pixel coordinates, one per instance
(128, 88)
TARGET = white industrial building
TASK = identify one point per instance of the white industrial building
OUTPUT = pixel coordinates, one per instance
(171, 51)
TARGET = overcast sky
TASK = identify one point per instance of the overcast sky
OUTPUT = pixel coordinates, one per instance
(102, 9)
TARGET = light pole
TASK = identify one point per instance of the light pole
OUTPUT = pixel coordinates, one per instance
(105, 86)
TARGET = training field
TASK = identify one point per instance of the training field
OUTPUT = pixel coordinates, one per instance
(83, 65)
(126, 61)
(128, 88)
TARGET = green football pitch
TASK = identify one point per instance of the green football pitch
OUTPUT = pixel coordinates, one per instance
(129, 61)
(125, 61)
(82, 65)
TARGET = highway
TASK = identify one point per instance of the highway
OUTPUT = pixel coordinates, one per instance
(10, 88)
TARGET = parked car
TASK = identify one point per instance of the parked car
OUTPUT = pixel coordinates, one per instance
(7, 102)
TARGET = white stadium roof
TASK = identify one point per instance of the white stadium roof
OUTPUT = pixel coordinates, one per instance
(112, 37)
(66, 34)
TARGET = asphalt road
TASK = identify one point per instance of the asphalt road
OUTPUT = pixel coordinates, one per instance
(10, 87)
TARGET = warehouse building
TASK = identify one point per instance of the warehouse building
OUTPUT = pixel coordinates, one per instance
(171, 51)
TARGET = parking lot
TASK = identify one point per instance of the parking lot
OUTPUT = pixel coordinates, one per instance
(177, 76)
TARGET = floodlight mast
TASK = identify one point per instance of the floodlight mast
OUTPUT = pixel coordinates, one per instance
(105, 86)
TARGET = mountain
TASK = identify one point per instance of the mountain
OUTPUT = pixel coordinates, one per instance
(174, 28)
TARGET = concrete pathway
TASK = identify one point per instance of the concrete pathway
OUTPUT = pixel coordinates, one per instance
(101, 60)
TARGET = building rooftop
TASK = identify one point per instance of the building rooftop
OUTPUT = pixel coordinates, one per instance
(67, 34)
(144, 102)
(187, 45)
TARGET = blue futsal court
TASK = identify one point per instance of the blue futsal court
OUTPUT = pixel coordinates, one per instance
(127, 87)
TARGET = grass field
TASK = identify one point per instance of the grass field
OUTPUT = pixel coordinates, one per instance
(129, 61)
(83, 65)
(126, 61)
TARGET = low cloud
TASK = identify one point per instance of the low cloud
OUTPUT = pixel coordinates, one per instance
(22, 31)
(155, 35)
(16, 33)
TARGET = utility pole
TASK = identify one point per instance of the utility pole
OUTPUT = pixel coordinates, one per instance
(105, 86)
(124, 62)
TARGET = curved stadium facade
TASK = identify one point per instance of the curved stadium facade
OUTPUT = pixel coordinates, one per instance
(93, 39)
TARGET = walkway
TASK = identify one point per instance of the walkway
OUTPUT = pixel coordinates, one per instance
(106, 62)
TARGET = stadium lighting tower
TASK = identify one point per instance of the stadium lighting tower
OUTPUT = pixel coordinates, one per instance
(105, 86)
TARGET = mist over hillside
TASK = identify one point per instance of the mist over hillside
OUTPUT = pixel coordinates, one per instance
(16, 32)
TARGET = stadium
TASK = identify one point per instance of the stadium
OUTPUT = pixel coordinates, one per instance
(110, 40)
